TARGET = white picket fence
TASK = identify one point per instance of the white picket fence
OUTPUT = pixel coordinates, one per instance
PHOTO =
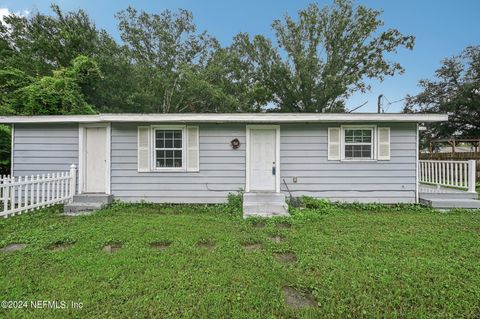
(459, 174)
(26, 193)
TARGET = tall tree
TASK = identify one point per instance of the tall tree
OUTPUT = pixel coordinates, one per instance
(456, 91)
(42, 43)
(322, 57)
(165, 48)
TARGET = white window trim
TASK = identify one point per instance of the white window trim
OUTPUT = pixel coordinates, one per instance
(153, 152)
(81, 155)
(374, 142)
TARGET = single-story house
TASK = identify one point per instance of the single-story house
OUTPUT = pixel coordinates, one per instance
(201, 158)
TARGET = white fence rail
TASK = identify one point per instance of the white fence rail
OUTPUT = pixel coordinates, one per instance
(26, 193)
(448, 173)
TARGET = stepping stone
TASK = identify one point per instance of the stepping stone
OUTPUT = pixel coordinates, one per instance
(60, 246)
(297, 299)
(277, 238)
(160, 245)
(252, 246)
(259, 224)
(210, 245)
(284, 225)
(285, 257)
(13, 247)
(111, 248)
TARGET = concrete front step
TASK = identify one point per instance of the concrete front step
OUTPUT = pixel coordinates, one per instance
(76, 208)
(452, 195)
(93, 198)
(449, 203)
(264, 205)
(86, 203)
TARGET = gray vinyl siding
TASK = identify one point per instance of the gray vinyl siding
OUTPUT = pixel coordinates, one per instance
(49, 148)
(44, 148)
(303, 154)
(222, 169)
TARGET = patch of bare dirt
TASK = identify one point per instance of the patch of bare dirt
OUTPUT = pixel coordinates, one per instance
(207, 244)
(252, 246)
(259, 224)
(284, 225)
(60, 246)
(111, 248)
(297, 299)
(286, 257)
(160, 245)
(13, 247)
(277, 238)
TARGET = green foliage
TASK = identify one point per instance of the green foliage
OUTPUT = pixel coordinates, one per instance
(163, 64)
(456, 91)
(60, 93)
(357, 263)
(43, 43)
(5, 146)
(234, 204)
(323, 56)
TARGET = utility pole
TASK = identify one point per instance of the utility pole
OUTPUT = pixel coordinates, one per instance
(379, 103)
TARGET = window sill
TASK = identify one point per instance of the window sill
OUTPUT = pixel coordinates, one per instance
(160, 170)
(358, 160)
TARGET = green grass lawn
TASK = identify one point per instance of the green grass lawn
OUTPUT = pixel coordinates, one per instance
(355, 261)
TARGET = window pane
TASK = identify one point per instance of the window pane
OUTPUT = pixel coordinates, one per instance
(169, 162)
(178, 134)
(160, 134)
(178, 162)
(177, 154)
(160, 143)
(168, 154)
(358, 151)
(168, 144)
(349, 136)
(177, 144)
(348, 151)
(168, 134)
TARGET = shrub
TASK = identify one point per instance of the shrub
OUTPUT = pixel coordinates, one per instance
(234, 203)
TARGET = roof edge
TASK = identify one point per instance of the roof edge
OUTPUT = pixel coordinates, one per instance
(228, 118)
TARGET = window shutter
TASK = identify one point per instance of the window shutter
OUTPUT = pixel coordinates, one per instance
(192, 149)
(333, 143)
(143, 149)
(383, 143)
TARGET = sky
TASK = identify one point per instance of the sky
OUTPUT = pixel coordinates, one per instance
(442, 29)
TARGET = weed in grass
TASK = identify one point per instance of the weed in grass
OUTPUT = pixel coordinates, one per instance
(13, 247)
(286, 257)
(234, 204)
(160, 245)
(297, 299)
(111, 248)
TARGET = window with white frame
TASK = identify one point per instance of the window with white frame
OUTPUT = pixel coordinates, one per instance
(168, 148)
(358, 143)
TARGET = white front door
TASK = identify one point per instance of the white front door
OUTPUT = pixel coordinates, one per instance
(95, 159)
(262, 166)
